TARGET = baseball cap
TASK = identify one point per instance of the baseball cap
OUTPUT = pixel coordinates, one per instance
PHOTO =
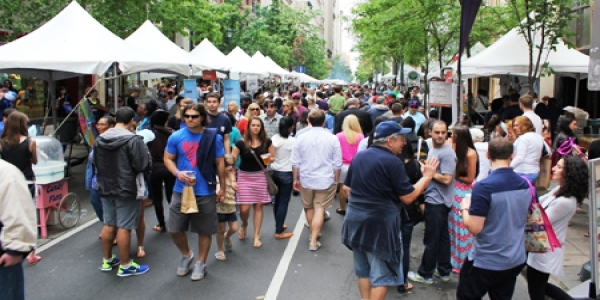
(414, 103)
(388, 128)
(296, 95)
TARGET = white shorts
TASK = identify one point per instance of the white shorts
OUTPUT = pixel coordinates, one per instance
(344, 173)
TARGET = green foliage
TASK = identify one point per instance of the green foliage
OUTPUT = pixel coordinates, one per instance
(21, 17)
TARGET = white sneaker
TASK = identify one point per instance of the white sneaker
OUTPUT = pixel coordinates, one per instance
(184, 265)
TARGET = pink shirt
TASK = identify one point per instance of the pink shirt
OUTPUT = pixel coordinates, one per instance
(348, 151)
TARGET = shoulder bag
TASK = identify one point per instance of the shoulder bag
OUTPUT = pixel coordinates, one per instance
(273, 189)
(539, 234)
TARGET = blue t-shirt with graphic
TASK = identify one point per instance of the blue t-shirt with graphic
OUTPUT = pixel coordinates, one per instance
(184, 145)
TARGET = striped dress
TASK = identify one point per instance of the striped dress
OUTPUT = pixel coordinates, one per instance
(252, 188)
(461, 240)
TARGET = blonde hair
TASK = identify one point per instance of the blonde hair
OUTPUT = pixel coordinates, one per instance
(183, 103)
(237, 108)
(291, 105)
(249, 112)
(351, 129)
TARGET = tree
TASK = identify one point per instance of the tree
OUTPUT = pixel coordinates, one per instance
(543, 23)
(20, 17)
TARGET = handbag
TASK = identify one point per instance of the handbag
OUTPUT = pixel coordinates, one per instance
(539, 234)
(273, 189)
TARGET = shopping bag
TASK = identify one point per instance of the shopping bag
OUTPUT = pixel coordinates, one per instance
(543, 180)
(188, 201)
(539, 234)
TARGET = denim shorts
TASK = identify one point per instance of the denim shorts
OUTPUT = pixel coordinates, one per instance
(232, 217)
(379, 272)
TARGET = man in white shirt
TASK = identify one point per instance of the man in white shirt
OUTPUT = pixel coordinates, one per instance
(316, 164)
(526, 104)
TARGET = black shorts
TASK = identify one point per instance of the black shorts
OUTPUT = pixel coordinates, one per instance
(232, 217)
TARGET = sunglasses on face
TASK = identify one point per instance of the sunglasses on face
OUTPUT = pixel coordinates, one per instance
(255, 109)
(295, 98)
(413, 107)
(191, 116)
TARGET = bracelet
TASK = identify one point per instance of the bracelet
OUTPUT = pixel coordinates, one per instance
(463, 209)
(176, 173)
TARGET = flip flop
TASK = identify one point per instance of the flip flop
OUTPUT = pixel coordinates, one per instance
(159, 228)
(227, 244)
(242, 233)
(32, 260)
(257, 243)
(220, 256)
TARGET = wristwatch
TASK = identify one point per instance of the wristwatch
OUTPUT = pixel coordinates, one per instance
(461, 210)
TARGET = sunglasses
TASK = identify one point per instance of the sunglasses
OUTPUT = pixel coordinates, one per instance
(296, 98)
(255, 109)
(413, 106)
(191, 116)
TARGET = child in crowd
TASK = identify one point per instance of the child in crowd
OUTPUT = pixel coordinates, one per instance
(226, 211)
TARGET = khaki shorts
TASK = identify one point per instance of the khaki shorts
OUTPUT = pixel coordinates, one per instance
(318, 198)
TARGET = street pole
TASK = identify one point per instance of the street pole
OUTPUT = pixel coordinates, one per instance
(229, 35)
(402, 75)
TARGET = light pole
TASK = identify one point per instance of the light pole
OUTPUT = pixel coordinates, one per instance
(229, 35)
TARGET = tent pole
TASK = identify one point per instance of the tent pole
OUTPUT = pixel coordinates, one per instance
(52, 91)
(578, 79)
(115, 87)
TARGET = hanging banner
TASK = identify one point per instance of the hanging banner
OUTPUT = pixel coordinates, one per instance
(251, 83)
(209, 75)
(190, 90)
(231, 92)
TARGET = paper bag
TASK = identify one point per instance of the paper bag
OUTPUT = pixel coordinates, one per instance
(188, 201)
(543, 180)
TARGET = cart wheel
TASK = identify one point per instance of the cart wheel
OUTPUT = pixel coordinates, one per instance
(69, 210)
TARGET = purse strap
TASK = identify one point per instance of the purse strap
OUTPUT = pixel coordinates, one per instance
(531, 190)
(257, 160)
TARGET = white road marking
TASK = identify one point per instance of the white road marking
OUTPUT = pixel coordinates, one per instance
(284, 263)
(66, 235)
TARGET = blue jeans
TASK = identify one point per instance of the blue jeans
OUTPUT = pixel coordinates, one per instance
(12, 282)
(284, 181)
(436, 241)
(407, 230)
(96, 204)
(379, 272)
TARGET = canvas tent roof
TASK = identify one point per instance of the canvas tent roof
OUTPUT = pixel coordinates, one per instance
(242, 63)
(278, 70)
(304, 77)
(66, 54)
(509, 55)
(152, 40)
(208, 54)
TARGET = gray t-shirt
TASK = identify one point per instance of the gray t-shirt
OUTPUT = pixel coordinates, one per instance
(438, 193)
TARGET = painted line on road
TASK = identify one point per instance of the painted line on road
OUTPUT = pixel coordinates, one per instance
(286, 259)
(66, 235)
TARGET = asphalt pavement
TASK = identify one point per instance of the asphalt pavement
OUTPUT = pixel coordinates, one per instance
(281, 269)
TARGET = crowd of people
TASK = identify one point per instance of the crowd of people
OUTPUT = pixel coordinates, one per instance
(391, 163)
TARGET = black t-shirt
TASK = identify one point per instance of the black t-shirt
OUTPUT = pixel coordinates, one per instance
(249, 163)
(511, 112)
(220, 122)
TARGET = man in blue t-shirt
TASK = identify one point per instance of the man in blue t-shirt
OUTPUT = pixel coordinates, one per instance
(218, 120)
(4, 104)
(495, 214)
(195, 149)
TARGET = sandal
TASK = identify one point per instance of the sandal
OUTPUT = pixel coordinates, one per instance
(257, 243)
(159, 228)
(242, 232)
(141, 253)
(220, 256)
(340, 211)
(227, 244)
(34, 259)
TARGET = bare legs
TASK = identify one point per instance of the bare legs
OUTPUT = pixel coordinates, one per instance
(181, 241)
(123, 242)
(257, 221)
(140, 232)
(369, 292)
(315, 218)
(343, 197)
(223, 237)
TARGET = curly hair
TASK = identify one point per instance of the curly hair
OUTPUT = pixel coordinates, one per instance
(575, 179)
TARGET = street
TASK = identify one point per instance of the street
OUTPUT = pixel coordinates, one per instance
(281, 269)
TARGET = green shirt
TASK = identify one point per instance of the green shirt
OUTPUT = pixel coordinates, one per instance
(336, 103)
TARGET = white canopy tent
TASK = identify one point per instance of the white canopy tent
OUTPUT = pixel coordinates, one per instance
(268, 64)
(241, 63)
(58, 50)
(151, 39)
(278, 70)
(208, 54)
(509, 55)
(304, 78)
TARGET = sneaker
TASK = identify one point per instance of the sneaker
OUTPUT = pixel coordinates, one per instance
(108, 265)
(184, 265)
(414, 276)
(199, 271)
(134, 269)
(327, 216)
(442, 278)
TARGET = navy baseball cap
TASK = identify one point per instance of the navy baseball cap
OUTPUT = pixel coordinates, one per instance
(414, 103)
(388, 128)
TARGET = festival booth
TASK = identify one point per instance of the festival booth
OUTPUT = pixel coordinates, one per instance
(241, 64)
(207, 53)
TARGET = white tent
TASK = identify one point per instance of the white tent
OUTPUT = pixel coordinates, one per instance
(208, 54)
(303, 77)
(242, 63)
(509, 55)
(151, 39)
(74, 43)
(278, 70)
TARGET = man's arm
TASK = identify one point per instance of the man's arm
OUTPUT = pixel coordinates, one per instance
(473, 223)
(445, 179)
(428, 171)
(169, 160)
(220, 163)
(226, 143)
(296, 176)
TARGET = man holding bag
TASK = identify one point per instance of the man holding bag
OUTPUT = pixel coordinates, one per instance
(195, 156)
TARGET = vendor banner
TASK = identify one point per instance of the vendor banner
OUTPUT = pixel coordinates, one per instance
(190, 90)
(231, 92)
(209, 75)
(251, 83)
